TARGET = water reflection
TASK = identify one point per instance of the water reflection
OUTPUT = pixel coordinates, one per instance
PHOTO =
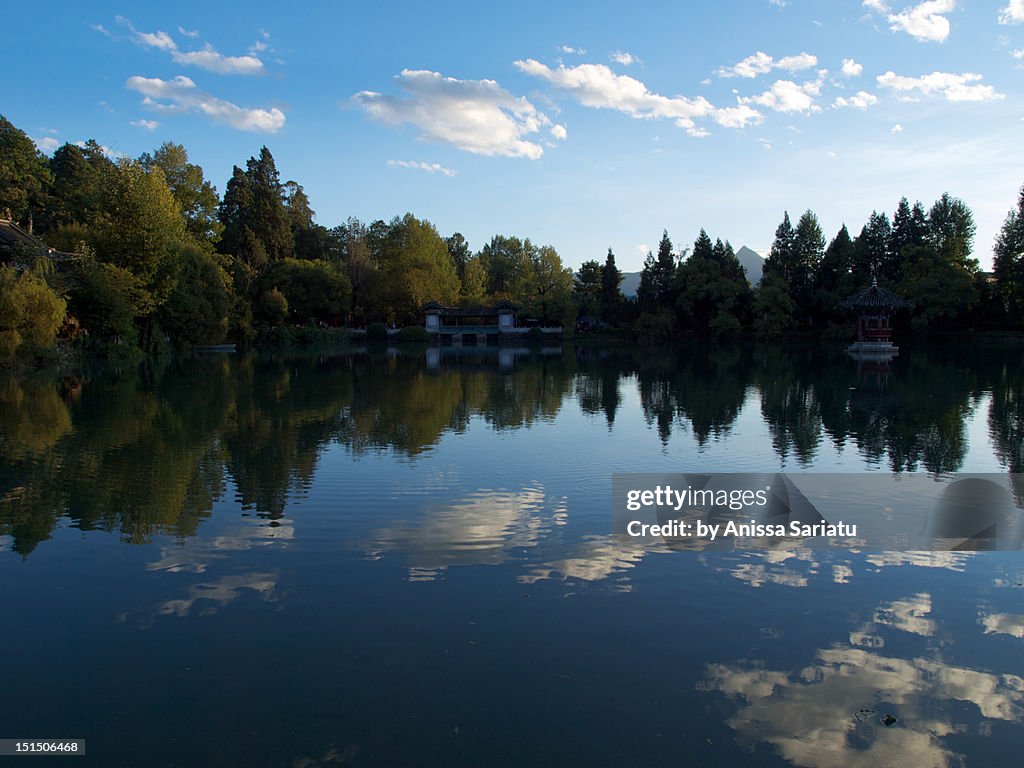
(285, 504)
(483, 529)
(149, 451)
(852, 705)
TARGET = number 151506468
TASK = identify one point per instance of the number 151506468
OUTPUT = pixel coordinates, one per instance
(52, 747)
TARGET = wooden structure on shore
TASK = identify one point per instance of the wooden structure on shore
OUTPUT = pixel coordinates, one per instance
(875, 308)
(17, 243)
(479, 324)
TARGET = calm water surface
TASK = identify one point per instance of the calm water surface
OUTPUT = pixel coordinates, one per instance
(399, 559)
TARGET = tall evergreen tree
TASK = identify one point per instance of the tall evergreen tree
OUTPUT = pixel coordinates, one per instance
(909, 229)
(872, 254)
(1008, 262)
(24, 175)
(781, 259)
(951, 231)
(611, 296)
(833, 281)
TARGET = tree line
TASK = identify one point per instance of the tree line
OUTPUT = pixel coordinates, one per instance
(152, 254)
(923, 256)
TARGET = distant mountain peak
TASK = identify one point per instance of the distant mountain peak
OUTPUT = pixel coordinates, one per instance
(752, 263)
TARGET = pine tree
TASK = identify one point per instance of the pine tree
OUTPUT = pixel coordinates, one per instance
(1008, 262)
(611, 296)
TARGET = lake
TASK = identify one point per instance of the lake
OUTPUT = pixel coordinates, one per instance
(404, 557)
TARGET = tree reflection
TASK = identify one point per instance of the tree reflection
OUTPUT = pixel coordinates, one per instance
(149, 450)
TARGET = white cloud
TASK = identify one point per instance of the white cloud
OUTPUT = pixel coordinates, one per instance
(798, 62)
(559, 132)
(623, 58)
(189, 33)
(760, 63)
(420, 166)
(752, 66)
(851, 68)
(149, 125)
(1013, 13)
(478, 116)
(860, 100)
(208, 58)
(924, 21)
(157, 39)
(212, 61)
(738, 117)
(896, 128)
(181, 95)
(574, 51)
(963, 87)
(46, 144)
(787, 96)
(595, 85)
(1018, 54)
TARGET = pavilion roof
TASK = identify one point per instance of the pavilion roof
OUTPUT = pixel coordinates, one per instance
(478, 310)
(875, 298)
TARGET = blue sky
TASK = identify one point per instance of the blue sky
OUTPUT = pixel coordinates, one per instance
(580, 125)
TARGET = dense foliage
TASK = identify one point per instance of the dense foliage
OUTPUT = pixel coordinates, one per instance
(148, 253)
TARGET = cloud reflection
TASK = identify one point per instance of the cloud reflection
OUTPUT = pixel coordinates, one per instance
(483, 529)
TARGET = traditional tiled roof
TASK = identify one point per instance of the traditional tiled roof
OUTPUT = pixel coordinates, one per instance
(478, 310)
(12, 235)
(875, 298)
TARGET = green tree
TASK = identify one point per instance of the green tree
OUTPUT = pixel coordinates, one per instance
(198, 308)
(833, 280)
(141, 227)
(611, 295)
(782, 259)
(943, 292)
(459, 250)
(81, 176)
(415, 267)
(773, 306)
(548, 288)
(713, 293)
(197, 197)
(106, 299)
(257, 228)
(587, 287)
(951, 231)
(357, 259)
(508, 262)
(1008, 263)
(808, 250)
(872, 254)
(316, 291)
(24, 175)
(474, 282)
(909, 228)
(30, 311)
